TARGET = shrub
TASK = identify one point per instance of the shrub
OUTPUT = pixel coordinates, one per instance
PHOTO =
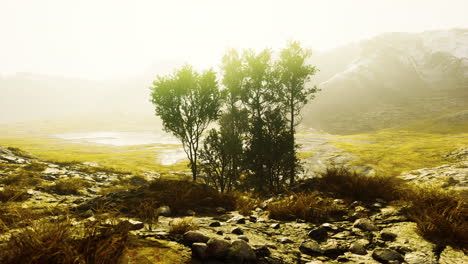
(69, 186)
(245, 204)
(306, 206)
(180, 226)
(441, 215)
(348, 184)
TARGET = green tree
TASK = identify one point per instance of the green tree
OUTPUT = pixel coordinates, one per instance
(295, 73)
(187, 102)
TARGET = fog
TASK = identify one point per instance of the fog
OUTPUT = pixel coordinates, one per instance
(60, 58)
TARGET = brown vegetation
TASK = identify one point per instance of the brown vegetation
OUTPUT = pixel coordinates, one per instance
(180, 226)
(307, 206)
(45, 242)
(69, 186)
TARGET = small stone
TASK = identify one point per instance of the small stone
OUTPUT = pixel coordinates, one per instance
(388, 236)
(285, 240)
(275, 226)
(88, 213)
(215, 224)
(365, 224)
(199, 250)
(333, 249)
(220, 233)
(311, 248)
(237, 231)
(261, 250)
(242, 237)
(220, 210)
(253, 219)
(319, 234)
(387, 256)
(164, 211)
(359, 247)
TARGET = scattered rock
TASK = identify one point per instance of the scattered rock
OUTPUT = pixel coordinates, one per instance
(365, 224)
(237, 231)
(217, 248)
(215, 224)
(319, 234)
(311, 248)
(199, 250)
(164, 211)
(275, 226)
(387, 236)
(242, 237)
(387, 256)
(241, 252)
(359, 247)
(191, 237)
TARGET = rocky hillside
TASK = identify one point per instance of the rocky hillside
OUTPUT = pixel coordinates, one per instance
(391, 80)
(373, 231)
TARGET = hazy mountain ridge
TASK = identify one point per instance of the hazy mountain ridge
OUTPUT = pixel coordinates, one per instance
(392, 80)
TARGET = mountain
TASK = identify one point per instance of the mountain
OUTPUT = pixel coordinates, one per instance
(391, 80)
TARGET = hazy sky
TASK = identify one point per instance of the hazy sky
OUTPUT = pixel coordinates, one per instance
(106, 39)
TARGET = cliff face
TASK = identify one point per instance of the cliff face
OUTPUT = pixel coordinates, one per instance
(390, 80)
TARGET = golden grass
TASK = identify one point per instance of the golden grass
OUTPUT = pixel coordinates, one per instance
(441, 215)
(245, 204)
(355, 186)
(13, 193)
(180, 226)
(35, 166)
(22, 178)
(62, 243)
(392, 152)
(69, 186)
(306, 206)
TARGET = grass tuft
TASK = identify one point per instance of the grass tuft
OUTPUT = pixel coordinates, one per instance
(306, 206)
(180, 226)
(69, 186)
(355, 186)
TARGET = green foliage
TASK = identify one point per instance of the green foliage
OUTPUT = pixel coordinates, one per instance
(187, 102)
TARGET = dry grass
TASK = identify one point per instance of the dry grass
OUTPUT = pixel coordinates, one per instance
(62, 243)
(22, 178)
(13, 194)
(69, 186)
(20, 152)
(181, 196)
(13, 215)
(147, 212)
(180, 226)
(245, 204)
(35, 166)
(355, 186)
(306, 206)
(441, 215)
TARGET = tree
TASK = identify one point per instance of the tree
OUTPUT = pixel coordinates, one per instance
(187, 102)
(294, 74)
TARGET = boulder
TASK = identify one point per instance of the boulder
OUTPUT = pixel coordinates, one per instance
(199, 250)
(191, 237)
(241, 252)
(217, 248)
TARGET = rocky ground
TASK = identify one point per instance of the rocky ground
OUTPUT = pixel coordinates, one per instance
(375, 232)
